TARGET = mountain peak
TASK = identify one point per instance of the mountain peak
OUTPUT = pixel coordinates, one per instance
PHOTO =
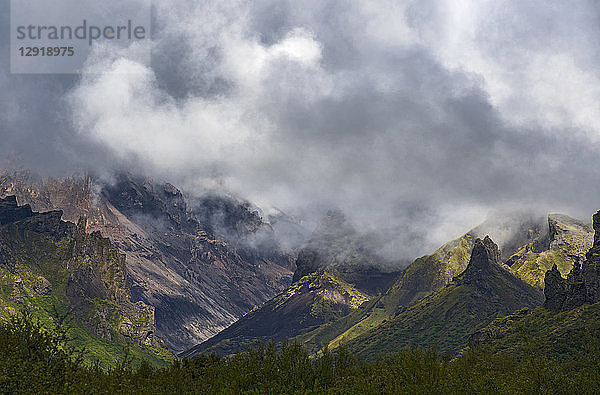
(485, 254)
(337, 246)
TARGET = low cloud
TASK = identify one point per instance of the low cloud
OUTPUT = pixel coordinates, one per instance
(416, 118)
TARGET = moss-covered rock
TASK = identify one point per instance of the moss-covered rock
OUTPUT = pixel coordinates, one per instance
(52, 267)
(566, 243)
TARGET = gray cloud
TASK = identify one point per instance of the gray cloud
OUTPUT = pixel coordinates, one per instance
(417, 118)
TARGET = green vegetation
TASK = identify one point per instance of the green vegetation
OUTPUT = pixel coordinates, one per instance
(484, 291)
(39, 257)
(568, 242)
(560, 336)
(33, 360)
(420, 279)
(532, 267)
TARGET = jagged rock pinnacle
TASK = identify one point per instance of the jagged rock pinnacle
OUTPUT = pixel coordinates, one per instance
(596, 226)
(485, 253)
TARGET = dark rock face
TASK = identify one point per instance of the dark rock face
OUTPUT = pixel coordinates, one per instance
(486, 273)
(555, 289)
(485, 254)
(582, 285)
(240, 225)
(10, 212)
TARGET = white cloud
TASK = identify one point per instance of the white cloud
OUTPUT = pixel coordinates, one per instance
(406, 114)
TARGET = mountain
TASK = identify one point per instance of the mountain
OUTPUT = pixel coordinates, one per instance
(335, 246)
(566, 326)
(338, 247)
(424, 276)
(198, 283)
(427, 275)
(313, 300)
(564, 244)
(582, 284)
(337, 271)
(485, 290)
(50, 267)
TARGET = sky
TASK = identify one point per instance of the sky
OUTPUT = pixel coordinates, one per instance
(416, 118)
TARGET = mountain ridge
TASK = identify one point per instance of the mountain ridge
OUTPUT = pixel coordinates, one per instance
(51, 266)
(197, 283)
(485, 290)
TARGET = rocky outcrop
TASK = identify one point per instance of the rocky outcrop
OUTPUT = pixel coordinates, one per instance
(98, 288)
(485, 256)
(10, 212)
(582, 284)
(89, 272)
(564, 245)
(487, 274)
(486, 290)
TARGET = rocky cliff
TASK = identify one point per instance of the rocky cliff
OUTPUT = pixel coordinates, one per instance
(582, 284)
(198, 282)
(57, 261)
(564, 244)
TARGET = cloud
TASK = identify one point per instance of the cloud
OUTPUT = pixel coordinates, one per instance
(414, 117)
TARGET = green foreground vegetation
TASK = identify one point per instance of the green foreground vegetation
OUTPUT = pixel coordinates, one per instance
(33, 360)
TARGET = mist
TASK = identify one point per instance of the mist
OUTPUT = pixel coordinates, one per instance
(418, 119)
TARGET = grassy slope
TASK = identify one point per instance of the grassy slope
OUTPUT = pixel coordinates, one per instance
(572, 240)
(446, 319)
(532, 266)
(35, 255)
(556, 335)
(423, 277)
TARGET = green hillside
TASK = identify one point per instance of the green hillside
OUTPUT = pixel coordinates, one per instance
(531, 246)
(58, 274)
(314, 300)
(564, 335)
(424, 276)
(484, 291)
(567, 242)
